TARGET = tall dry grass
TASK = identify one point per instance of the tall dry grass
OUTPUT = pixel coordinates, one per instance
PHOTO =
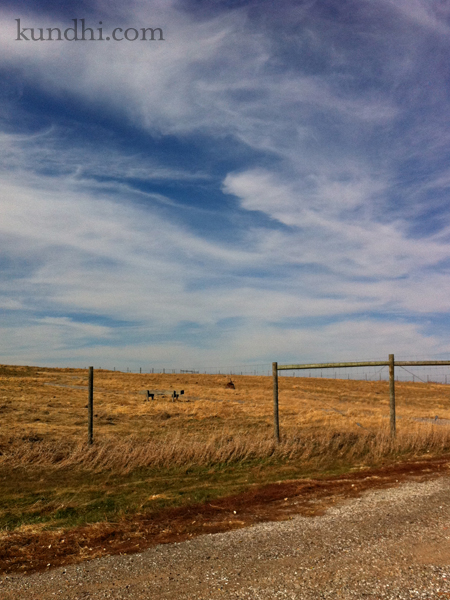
(44, 413)
(309, 448)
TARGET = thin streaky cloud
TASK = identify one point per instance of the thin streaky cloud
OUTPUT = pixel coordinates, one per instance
(267, 182)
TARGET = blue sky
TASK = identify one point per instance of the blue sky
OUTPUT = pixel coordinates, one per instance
(269, 182)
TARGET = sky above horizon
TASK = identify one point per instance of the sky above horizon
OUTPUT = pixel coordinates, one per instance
(268, 182)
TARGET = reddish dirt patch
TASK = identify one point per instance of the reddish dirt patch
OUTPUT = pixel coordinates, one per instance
(23, 552)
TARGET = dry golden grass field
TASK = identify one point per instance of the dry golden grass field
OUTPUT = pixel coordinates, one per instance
(51, 404)
(211, 442)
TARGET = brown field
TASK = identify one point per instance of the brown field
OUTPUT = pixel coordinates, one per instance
(44, 417)
(210, 443)
(52, 404)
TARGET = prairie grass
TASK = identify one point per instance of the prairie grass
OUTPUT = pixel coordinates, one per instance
(308, 448)
(129, 454)
(52, 404)
(213, 442)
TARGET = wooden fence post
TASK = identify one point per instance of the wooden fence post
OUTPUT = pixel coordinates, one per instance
(392, 394)
(276, 421)
(91, 406)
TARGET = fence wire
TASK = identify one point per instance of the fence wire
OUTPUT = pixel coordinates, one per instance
(425, 374)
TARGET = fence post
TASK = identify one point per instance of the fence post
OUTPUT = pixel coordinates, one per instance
(91, 406)
(392, 394)
(276, 421)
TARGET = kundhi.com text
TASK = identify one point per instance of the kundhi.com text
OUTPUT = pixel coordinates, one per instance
(80, 33)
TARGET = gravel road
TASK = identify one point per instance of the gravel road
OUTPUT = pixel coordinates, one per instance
(390, 543)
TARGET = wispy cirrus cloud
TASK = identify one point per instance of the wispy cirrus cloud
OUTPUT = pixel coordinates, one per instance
(262, 174)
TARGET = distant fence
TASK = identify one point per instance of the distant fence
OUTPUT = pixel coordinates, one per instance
(391, 363)
(260, 369)
(370, 373)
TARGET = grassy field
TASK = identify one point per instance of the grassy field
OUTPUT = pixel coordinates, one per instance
(212, 442)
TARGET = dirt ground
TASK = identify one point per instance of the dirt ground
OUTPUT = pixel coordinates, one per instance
(379, 534)
(275, 502)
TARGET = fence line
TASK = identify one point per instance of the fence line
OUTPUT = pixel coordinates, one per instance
(380, 374)
(391, 363)
(276, 368)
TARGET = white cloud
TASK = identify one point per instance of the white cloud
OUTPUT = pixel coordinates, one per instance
(48, 149)
(348, 340)
(99, 257)
(429, 14)
(327, 185)
(324, 232)
(210, 75)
